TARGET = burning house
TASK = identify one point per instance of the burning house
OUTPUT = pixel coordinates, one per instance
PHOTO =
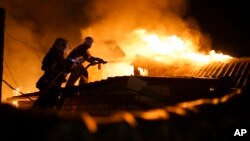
(164, 71)
(152, 71)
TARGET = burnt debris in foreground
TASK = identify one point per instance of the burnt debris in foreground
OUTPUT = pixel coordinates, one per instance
(202, 119)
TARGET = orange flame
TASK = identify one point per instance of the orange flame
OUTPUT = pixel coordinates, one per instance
(164, 48)
(16, 92)
(167, 49)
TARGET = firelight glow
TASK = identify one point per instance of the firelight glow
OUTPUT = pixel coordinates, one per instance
(173, 46)
(15, 93)
(169, 49)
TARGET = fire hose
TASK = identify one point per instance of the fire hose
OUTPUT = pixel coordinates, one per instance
(105, 62)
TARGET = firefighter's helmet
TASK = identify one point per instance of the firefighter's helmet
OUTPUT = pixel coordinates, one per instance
(89, 41)
(61, 44)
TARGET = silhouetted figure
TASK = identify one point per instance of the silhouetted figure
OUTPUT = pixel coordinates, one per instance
(75, 59)
(50, 82)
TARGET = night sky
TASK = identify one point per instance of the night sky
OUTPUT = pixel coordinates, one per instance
(227, 22)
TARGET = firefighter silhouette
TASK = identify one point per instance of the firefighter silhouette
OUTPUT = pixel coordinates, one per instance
(50, 82)
(76, 57)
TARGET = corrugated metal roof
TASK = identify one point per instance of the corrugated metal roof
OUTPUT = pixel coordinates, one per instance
(236, 69)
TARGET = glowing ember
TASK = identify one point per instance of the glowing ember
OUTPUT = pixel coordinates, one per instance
(143, 71)
(16, 93)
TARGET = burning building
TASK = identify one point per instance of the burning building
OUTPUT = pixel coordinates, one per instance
(153, 85)
(161, 73)
(153, 71)
(208, 100)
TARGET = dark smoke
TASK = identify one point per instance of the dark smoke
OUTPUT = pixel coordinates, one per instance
(50, 18)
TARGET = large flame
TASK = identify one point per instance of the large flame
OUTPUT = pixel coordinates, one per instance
(167, 49)
(163, 48)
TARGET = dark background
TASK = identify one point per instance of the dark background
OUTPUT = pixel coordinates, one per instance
(226, 21)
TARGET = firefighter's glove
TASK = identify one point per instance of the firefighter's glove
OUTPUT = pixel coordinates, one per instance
(101, 61)
(104, 62)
